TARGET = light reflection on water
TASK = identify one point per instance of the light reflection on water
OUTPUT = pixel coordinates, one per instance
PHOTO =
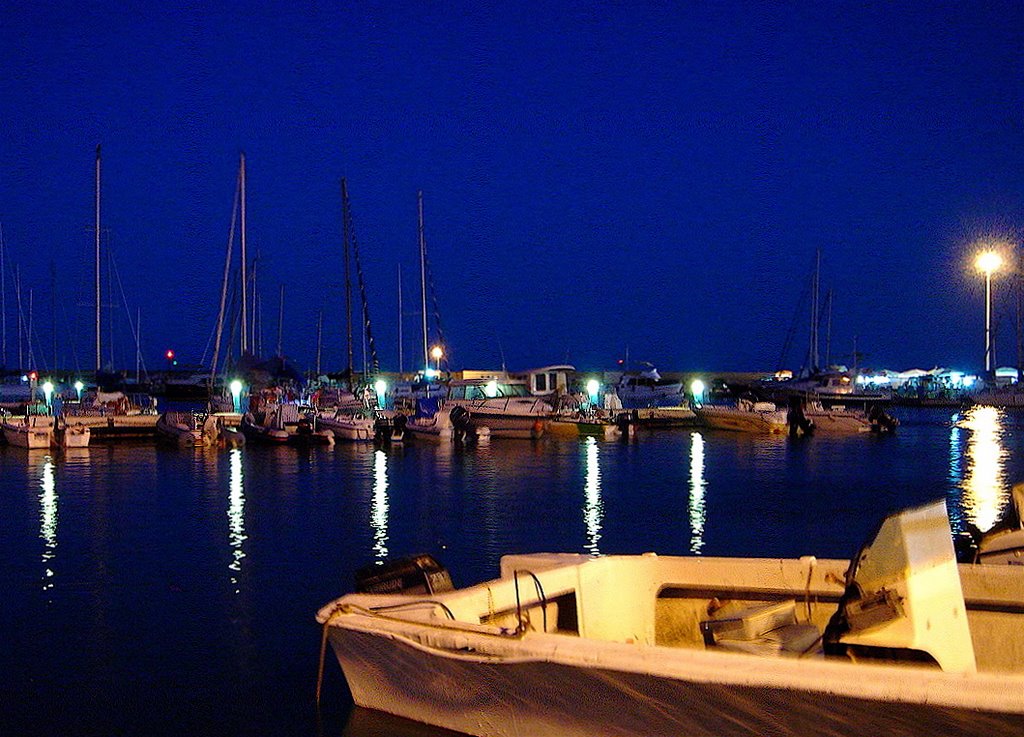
(48, 521)
(236, 515)
(979, 470)
(379, 506)
(593, 508)
(698, 512)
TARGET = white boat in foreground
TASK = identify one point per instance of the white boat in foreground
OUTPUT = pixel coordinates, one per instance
(904, 642)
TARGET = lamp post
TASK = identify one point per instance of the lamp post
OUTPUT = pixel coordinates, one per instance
(987, 263)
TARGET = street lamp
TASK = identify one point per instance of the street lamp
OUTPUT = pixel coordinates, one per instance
(988, 262)
(436, 353)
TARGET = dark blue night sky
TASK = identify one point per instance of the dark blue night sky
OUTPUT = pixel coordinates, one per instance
(596, 176)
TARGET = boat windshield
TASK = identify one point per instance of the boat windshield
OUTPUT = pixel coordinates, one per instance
(488, 391)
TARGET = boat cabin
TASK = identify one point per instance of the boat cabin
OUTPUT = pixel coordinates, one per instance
(550, 380)
(482, 389)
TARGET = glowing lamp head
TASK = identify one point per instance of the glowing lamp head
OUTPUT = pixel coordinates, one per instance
(491, 388)
(381, 387)
(235, 387)
(593, 387)
(436, 353)
(48, 390)
(697, 388)
(988, 262)
(79, 386)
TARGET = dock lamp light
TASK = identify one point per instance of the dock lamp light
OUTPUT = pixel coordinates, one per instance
(593, 387)
(987, 263)
(79, 386)
(437, 354)
(236, 395)
(491, 388)
(381, 387)
(48, 392)
(697, 390)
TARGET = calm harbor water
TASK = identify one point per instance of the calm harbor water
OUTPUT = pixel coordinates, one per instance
(151, 590)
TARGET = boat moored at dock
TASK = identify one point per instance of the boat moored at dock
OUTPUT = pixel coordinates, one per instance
(902, 641)
(746, 415)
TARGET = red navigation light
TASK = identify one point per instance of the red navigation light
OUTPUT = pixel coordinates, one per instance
(32, 376)
(169, 354)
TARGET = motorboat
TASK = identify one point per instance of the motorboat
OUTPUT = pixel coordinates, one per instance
(501, 404)
(839, 420)
(899, 641)
(196, 429)
(30, 431)
(1004, 543)
(647, 388)
(259, 427)
(438, 422)
(70, 436)
(590, 424)
(829, 388)
(746, 415)
(346, 425)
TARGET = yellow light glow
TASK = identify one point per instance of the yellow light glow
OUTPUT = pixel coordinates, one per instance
(988, 262)
(985, 489)
(436, 353)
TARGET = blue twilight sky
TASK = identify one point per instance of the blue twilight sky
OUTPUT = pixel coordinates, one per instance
(597, 176)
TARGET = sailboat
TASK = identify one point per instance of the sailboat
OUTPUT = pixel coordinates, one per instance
(427, 383)
(818, 392)
(359, 417)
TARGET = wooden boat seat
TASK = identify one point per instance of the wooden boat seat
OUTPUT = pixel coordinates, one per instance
(765, 629)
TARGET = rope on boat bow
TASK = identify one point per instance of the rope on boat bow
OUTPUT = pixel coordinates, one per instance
(521, 627)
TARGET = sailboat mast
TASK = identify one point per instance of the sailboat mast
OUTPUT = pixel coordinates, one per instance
(245, 296)
(224, 287)
(400, 363)
(3, 294)
(319, 337)
(346, 228)
(138, 346)
(21, 319)
(280, 322)
(99, 356)
(423, 279)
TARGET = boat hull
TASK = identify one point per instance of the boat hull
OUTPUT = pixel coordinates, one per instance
(31, 438)
(353, 429)
(726, 418)
(525, 697)
(72, 437)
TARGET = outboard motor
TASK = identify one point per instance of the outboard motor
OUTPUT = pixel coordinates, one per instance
(460, 418)
(881, 421)
(398, 427)
(417, 574)
(796, 418)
